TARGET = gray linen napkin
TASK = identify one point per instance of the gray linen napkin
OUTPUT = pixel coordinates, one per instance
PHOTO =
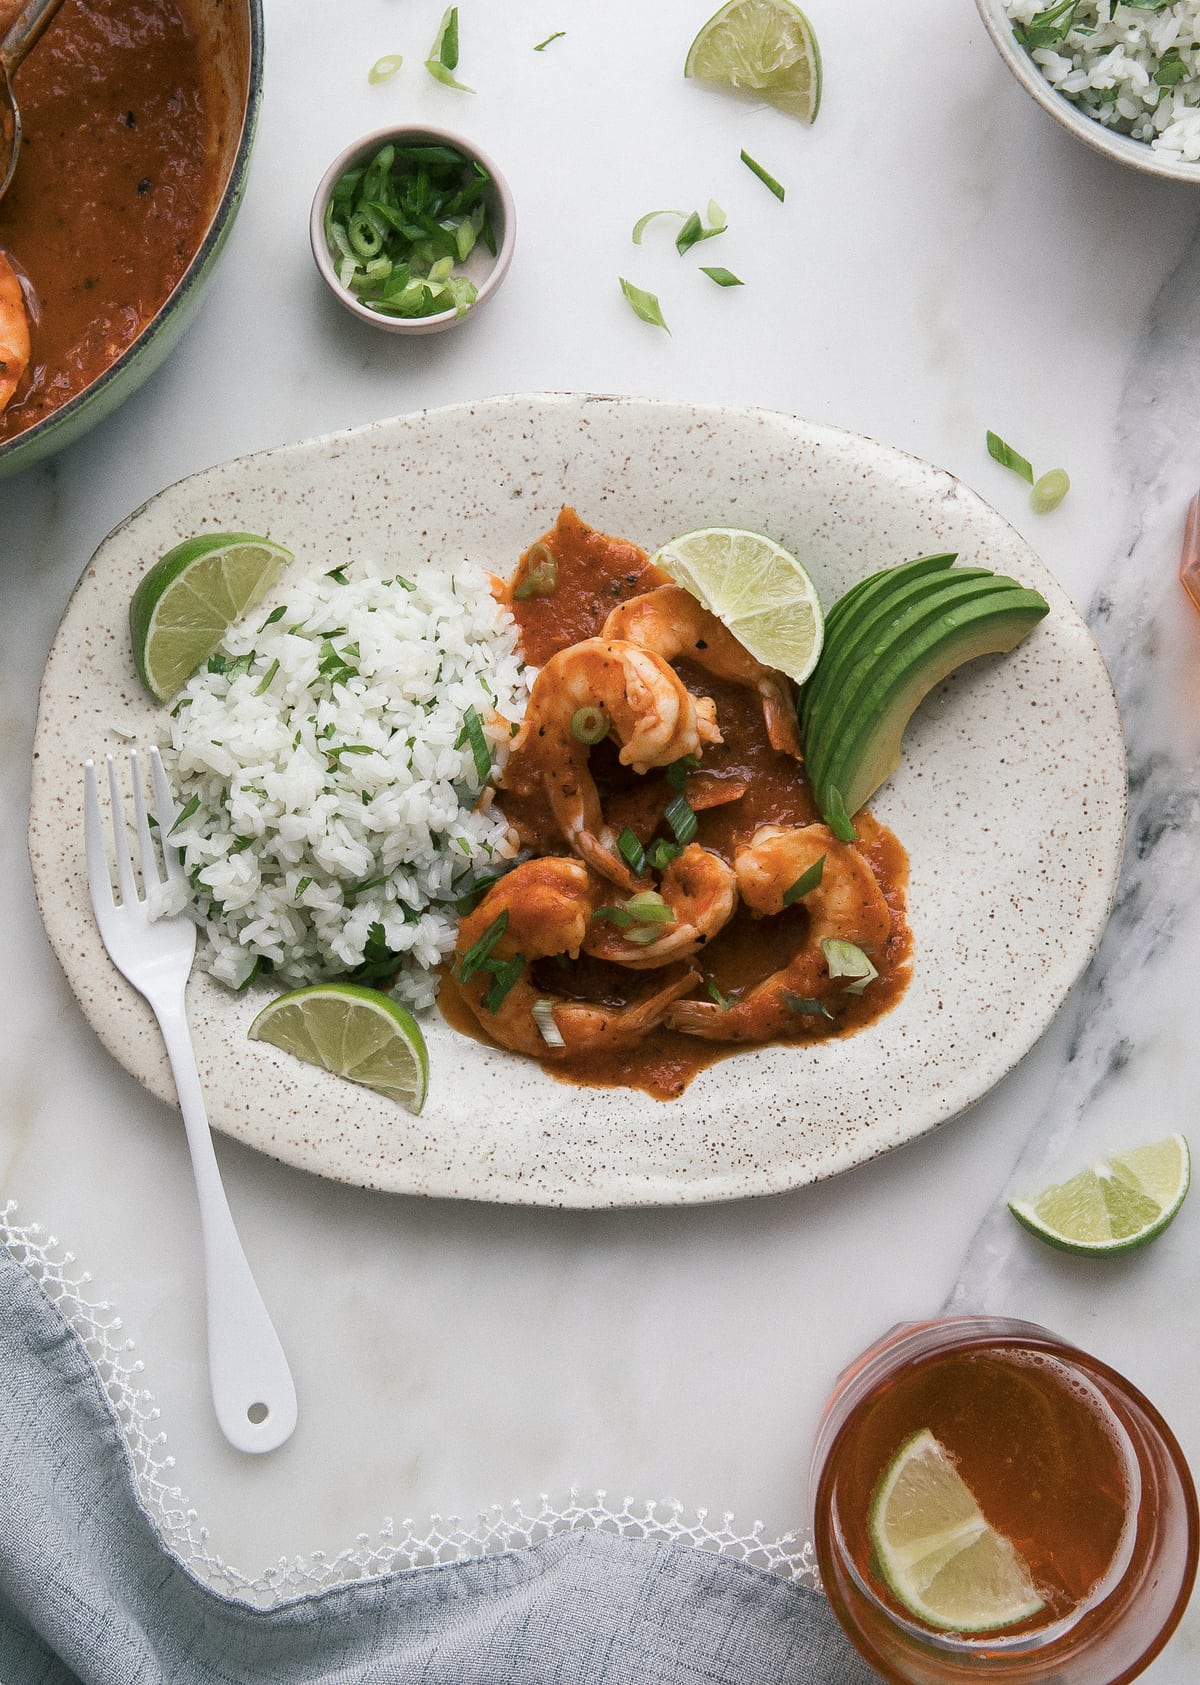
(90, 1596)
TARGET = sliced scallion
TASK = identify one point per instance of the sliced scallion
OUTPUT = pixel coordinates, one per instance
(1049, 491)
(543, 1017)
(504, 974)
(590, 725)
(767, 179)
(631, 852)
(846, 959)
(723, 1001)
(723, 277)
(805, 883)
(472, 733)
(806, 1006)
(680, 816)
(541, 574)
(542, 45)
(1007, 457)
(478, 954)
(661, 853)
(643, 222)
(384, 68)
(644, 305)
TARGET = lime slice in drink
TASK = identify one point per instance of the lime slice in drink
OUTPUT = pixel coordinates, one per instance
(354, 1032)
(1116, 1204)
(765, 47)
(757, 588)
(937, 1553)
(188, 601)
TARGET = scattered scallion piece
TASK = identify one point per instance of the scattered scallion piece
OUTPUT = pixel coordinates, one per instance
(644, 305)
(398, 226)
(661, 853)
(1049, 491)
(723, 277)
(472, 733)
(443, 55)
(543, 1017)
(846, 959)
(694, 230)
(677, 773)
(631, 852)
(643, 222)
(504, 975)
(648, 907)
(805, 883)
(590, 725)
(384, 68)
(765, 176)
(614, 915)
(1007, 457)
(542, 45)
(478, 954)
(541, 576)
(723, 1001)
(806, 1006)
(682, 819)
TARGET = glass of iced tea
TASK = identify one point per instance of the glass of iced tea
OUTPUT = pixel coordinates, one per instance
(992, 1505)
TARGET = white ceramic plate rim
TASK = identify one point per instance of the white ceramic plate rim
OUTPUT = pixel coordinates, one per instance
(1011, 801)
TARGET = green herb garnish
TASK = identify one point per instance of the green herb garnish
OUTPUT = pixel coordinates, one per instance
(631, 852)
(805, 883)
(472, 733)
(542, 45)
(682, 819)
(723, 277)
(1007, 457)
(384, 68)
(480, 952)
(644, 305)
(1048, 28)
(443, 55)
(767, 179)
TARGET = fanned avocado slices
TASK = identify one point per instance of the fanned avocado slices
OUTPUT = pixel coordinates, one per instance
(888, 641)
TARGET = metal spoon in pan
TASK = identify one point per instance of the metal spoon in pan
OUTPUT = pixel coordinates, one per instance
(22, 34)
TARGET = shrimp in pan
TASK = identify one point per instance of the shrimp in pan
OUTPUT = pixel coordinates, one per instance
(14, 332)
(672, 623)
(846, 905)
(540, 909)
(597, 688)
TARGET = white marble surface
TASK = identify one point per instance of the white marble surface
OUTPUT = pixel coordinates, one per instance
(946, 261)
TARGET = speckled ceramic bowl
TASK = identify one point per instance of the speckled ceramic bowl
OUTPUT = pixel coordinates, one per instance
(485, 268)
(1137, 154)
(1010, 800)
(233, 44)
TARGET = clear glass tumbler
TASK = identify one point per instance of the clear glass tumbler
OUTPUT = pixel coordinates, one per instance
(1065, 1458)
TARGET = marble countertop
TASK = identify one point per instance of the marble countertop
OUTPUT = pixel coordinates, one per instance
(947, 260)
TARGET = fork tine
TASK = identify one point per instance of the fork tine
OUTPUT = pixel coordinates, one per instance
(151, 871)
(164, 807)
(99, 878)
(125, 881)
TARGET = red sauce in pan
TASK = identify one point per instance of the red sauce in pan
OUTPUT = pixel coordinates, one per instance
(594, 574)
(117, 182)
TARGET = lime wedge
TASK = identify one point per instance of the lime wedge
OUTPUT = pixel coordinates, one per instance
(1116, 1204)
(354, 1032)
(188, 601)
(757, 588)
(766, 47)
(937, 1553)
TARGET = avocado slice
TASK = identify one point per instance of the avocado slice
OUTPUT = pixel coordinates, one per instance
(866, 750)
(907, 622)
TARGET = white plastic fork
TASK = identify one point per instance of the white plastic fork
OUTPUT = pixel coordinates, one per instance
(252, 1388)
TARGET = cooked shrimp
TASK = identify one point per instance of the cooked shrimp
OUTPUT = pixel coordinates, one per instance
(699, 889)
(546, 906)
(621, 690)
(672, 623)
(847, 905)
(14, 332)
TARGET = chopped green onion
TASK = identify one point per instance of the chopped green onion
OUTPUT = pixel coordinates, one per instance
(504, 975)
(614, 915)
(803, 1004)
(542, 45)
(384, 68)
(723, 277)
(680, 816)
(543, 1017)
(472, 733)
(723, 1001)
(677, 773)
(184, 813)
(764, 176)
(643, 222)
(590, 725)
(470, 898)
(301, 886)
(648, 907)
(661, 853)
(645, 305)
(478, 954)
(264, 684)
(694, 230)
(1007, 457)
(846, 959)
(805, 883)
(631, 852)
(541, 577)
(1049, 491)
(836, 816)
(443, 55)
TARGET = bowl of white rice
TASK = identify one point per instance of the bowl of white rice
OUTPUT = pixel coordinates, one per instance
(1123, 77)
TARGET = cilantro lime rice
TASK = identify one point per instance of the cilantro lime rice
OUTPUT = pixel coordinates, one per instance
(1133, 67)
(330, 764)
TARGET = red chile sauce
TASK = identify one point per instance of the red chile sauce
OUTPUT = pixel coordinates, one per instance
(116, 184)
(595, 573)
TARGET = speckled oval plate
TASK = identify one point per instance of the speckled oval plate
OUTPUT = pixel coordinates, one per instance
(1010, 801)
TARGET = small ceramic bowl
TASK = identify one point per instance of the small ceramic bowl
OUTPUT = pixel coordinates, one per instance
(1138, 154)
(487, 271)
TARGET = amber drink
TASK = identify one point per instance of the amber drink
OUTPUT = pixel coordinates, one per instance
(1060, 1540)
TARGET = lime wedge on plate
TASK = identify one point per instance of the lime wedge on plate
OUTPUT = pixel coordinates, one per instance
(188, 601)
(936, 1551)
(765, 47)
(1116, 1204)
(354, 1032)
(757, 588)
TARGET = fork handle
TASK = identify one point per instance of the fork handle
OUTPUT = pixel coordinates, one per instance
(252, 1388)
